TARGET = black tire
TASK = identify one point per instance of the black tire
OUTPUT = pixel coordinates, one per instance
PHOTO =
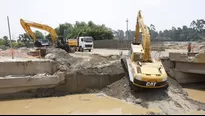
(71, 50)
(89, 50)
(81, 49)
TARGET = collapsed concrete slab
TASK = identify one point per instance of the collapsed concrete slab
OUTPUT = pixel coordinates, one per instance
(27, 67)
(11, 84)
(65, 73)
(184, 78)
(185, 68)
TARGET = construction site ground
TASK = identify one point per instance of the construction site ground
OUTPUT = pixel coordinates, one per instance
(115, 98)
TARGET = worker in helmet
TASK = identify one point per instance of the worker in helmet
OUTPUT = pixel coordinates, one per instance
(189, 48)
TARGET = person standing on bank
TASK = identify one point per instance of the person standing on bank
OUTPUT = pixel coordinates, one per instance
(189, 47)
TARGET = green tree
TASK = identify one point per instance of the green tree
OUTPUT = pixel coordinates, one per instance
(6, 41)
(153, 33)
(39, 35)
(25, 40)
(98, 32)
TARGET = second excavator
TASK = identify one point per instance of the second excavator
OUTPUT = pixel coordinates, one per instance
(58, 41)
(142, 70)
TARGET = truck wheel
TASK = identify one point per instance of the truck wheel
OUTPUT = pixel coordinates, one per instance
(72, 50)
(82, 49)
(90, 50)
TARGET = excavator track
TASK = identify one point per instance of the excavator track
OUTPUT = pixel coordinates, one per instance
(125, 68)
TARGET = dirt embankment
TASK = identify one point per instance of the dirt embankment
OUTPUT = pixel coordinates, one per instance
(93, 64)
(171, 101)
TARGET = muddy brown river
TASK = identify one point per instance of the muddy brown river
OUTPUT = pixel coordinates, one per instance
(83, 104)
(196, 94)
(72, 104)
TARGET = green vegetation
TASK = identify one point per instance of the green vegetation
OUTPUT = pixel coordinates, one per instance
(195, 32)
(98, 32)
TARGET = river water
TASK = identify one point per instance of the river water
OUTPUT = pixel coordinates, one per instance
(72, 104)
(83, 104)
(196, 94)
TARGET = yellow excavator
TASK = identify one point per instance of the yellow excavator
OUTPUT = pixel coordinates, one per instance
(58, 41)
(142, 70)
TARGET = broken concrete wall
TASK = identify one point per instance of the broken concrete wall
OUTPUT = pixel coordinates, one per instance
(11, 84)
(79, 83)
(190, 67)
(184, 78)
(27, 67)
(189, 57)
(185, 69)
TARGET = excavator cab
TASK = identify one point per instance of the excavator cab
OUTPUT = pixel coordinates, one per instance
(137, 57)
(41, 43)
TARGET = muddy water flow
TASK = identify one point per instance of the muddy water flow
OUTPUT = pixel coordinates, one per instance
(72, 104)
(196, 94)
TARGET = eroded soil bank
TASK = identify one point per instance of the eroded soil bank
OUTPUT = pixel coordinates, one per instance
(172, 101)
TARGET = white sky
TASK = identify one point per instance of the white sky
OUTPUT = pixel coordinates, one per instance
(113, 13)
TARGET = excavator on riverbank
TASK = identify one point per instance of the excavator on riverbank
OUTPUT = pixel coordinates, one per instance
(58, 41)
(142, 70)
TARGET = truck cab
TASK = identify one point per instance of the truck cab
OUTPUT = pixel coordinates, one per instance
(85, 43)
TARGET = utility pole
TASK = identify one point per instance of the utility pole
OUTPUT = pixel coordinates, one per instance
(12, 53)
(127, 30)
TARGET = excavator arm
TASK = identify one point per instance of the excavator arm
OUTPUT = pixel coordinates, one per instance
(27, 27)
(145, 37)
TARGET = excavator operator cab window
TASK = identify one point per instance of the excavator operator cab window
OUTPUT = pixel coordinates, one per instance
(137, 57)
(130, 53)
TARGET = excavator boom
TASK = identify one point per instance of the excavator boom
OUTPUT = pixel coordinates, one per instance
(28, 24)
(145, 37)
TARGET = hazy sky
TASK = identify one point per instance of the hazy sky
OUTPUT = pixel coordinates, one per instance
(113, 13)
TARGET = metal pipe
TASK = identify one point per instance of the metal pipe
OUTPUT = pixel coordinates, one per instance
(12, 53)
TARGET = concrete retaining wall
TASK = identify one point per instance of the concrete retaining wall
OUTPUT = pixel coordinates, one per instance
(184, 78)
(182, 70)
(78, 83)
(26, 67)
(112, 44)
(121, 44)
(191, 67)
(17, 84)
